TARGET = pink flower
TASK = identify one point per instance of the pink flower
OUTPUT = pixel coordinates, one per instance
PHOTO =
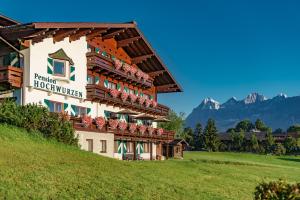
(141, 100)
(126, 68)
(114, 93)
(150, 130)
(86, 120)
(132, 127)
(132, 97)
(142, 129)
(133, 70)
(113, 123)
(124, 96)
(160, 131)
(100, 122)
(154, 104)
(139, 74)
(122, 125)
(118, 64)
(145, 77)
(148, 102)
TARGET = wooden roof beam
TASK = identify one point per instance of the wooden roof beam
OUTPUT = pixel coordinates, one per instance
(163, 87)
(156, 73)
(113, 34)
(95, 33)
(47, 34)
(126, 42)
(140, 59)
(59, 36)
(79, 34)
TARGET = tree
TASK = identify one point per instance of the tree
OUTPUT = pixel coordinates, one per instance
(211, 136)
(260, 125)
(199, 137)
(188, 136)
(237, 139)
(176, 123)
(290, 144)
(269, 142)
(293, 129)
(254, 145)
(279, 130)
(244, 125)
(279, 149)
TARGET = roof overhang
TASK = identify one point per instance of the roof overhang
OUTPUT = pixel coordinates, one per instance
(127, 36)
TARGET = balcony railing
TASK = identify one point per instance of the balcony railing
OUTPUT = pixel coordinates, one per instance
(102, 94)
(119, 134)
(10, 77)
(105, 66)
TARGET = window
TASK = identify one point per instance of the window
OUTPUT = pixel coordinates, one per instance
(90, 79)
(129, 146)
(55, 106)
(90, 144)
(112, 85)
(131, 91)
(146, 147)
(82, 111)
(103, 146)
(59, 68)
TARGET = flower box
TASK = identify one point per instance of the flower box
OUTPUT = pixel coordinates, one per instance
(124, 96)
(113, 123)
(150, 130)
(122, 125)
(114, 93)
(160, 131)
(132, 98)
(141, 100)
(142, 129)
(132, 127)
(148, 103)
(86, 120)
(118, 64)
(126, 68)
(100, 122)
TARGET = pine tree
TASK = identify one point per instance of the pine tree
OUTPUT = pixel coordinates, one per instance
(254, 145)
(199, 137)
(211, 136)
(270, 142)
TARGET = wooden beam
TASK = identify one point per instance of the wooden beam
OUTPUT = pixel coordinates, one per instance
(126, 42)
(95, 33)
(47, 34)
(113, 34)
(79, 34)
(156, 73)
(162, 87)
(60, 35)
(140, 59)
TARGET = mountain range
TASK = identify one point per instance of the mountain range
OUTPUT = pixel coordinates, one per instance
(278, 112)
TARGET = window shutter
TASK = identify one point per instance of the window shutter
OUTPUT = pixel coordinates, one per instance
(136, 92)
(106, 114)
(126, 89)
(141, 147)
(119, 87)
(72, 73)
(50, 66)
(119, 146)
(65, 106)
(74, 110)
(104, 53)
(88, 110)
(97, 79)
(124, 148)
(106, 83)
(14, 58)
(151, 97)
(47, 102)
(97, 50)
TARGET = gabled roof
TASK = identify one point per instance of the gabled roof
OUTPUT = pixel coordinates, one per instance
(6, 21)
(127, 35)
(61, 55)
(177, 141)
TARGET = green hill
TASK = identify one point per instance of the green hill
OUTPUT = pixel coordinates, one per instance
(32, 167)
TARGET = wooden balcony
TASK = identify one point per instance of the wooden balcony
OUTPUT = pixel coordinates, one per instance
(106, 67)
(102, 95)
(166, 136)
(10, 77)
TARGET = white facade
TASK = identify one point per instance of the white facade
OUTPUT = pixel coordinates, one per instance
(40, 87)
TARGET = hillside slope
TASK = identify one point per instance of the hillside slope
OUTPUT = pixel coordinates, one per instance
(33, 168)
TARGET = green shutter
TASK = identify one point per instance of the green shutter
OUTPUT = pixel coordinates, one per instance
(136, 92)
(47, 102)
(124, 148)
(50, 66)
(106, 83)
(65, 106)
(106, 114)
(97, 80)
(126, 89)
(151, 97)
(97, 50)
(119, 87)
(74, 110)
(119, 146)
(141, 147)
(72, 73)
(104, 53)
(88, 110)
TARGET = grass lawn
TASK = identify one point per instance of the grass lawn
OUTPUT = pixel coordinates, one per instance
(34, 168)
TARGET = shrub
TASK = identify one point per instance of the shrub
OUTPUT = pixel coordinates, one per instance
(277, 190)
(279, 149)
(36, 118)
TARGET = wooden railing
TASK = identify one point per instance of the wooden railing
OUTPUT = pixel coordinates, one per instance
(136, 135)
(101, 94)
(105, 65)
(10, 77)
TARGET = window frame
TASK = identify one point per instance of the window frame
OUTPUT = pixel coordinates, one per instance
(92, 145)
(103, 143)
(146, 147)
(65, 68)
(55, 103)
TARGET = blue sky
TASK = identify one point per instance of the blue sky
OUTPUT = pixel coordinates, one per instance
(214, 48)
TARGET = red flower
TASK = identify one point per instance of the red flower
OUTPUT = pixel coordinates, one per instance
(132, 97)
(148, 102)
(145, 77)
(118, 64)
(114, 93)
(100, 122)
(122, 125)
(133, 70)
(160, 131)
(154, 103)
(150, 130)
(141, 100)
(132, 127)
(142, 129)
(113, 123)
(126, 67)
(86, 120)
(124, 96)
(139, 74)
